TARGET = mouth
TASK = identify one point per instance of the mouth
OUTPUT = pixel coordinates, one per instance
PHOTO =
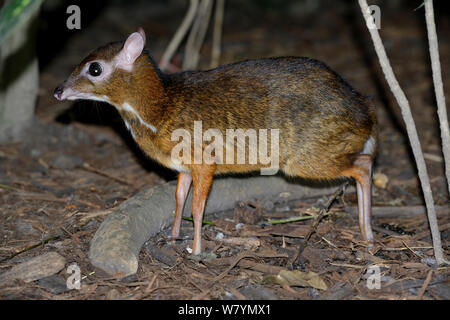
(61, 93)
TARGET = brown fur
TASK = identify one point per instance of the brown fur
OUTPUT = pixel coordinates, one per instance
(323, 121)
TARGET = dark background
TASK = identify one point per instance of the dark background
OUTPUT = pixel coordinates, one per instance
(50, 192)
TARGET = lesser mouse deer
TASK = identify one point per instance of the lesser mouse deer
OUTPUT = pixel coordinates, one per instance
(327, 130)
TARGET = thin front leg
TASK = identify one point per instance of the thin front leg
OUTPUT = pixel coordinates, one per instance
(184, 182)
(202, 177)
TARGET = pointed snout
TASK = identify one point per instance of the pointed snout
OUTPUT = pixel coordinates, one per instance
(65, 92)
(58, 92)
(69, 91)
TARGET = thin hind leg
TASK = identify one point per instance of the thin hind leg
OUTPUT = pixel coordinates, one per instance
(361, 171)
(183, 185)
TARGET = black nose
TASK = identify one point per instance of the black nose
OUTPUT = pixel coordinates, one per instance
(58, 92)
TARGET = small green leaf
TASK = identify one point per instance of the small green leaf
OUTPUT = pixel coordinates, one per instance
(294, 219)
(203, 221)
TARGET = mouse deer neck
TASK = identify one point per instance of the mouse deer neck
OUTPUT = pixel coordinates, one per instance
(142, 97)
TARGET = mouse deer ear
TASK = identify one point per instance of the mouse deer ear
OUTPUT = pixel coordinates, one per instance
(131, 50)
(142, 32)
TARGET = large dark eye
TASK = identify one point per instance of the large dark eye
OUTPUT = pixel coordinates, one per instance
(95, 69)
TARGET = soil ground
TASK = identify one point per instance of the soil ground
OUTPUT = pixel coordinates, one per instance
(57, 186)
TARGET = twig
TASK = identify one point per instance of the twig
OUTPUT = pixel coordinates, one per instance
(346, 265)
(438, 87)
(411, 130)
(325, 210)
(179, 35)
(410, 249)
(404, 248)
(4, 186)
(294, 219)
(425, 285)
(87, 203)
(315, 223)
(241, 256)
(150, 284)
(217, 33)
(40, 197)
(87, 167)
(197, 35)
(330, 243)
(433, 157)
(260, 267)
(40, 243)
(90, 215)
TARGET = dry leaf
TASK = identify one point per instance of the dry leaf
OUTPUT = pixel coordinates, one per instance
(246, 242)
(297, 278)
(380, 180)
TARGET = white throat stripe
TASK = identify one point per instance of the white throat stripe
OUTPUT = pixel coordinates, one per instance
(129, 108)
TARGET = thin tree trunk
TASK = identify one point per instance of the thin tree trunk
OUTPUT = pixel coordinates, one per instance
(438, 87)
(179, 35)
(197, 35)
(411, 130)
(217, 33)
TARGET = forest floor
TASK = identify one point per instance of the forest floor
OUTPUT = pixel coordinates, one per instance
(57, 186)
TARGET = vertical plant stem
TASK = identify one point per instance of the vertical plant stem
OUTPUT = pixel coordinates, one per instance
(411, 130)
(438, 87)
(217, 33)
(197, 35)
(179, 34)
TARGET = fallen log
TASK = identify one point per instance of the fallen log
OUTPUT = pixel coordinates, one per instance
(116, 245)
